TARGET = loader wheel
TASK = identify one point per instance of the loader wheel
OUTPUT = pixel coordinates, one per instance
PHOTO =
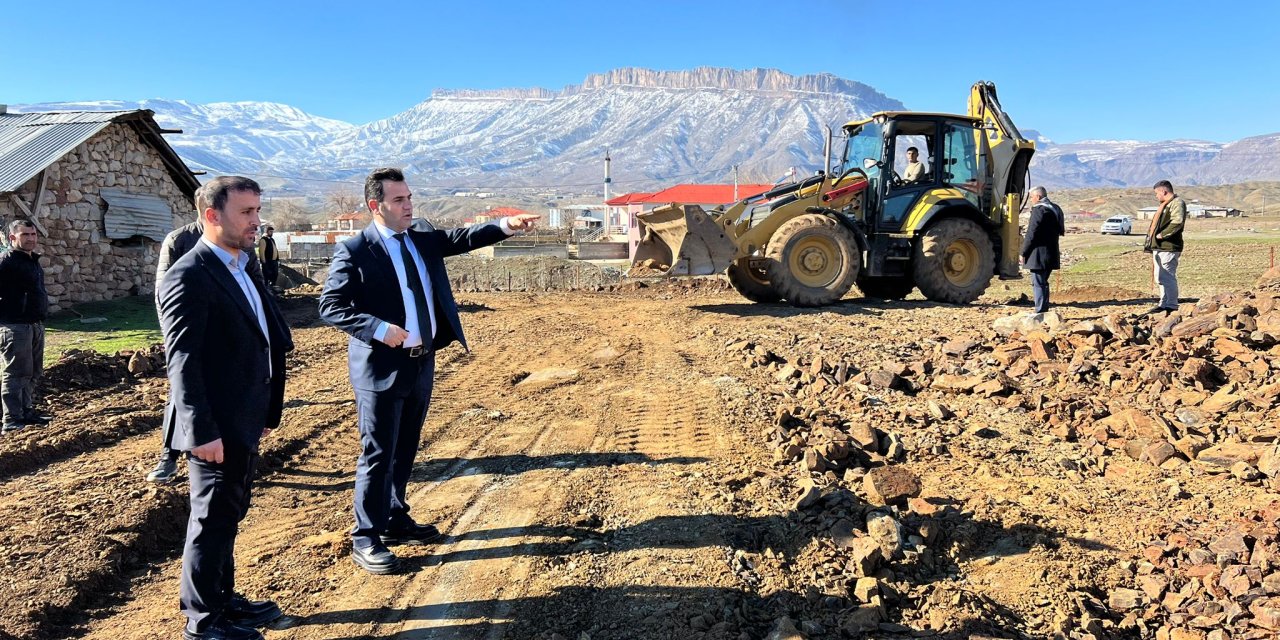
(886, 288)
(752, 282)
(813, 260)
(954, 261)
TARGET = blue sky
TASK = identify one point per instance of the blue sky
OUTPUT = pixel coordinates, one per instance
(1131, 70)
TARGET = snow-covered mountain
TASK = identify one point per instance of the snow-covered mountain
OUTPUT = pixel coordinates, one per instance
(660, 127)
(226, 137)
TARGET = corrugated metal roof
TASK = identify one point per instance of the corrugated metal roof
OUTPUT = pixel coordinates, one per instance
(134, 214)
(30, 142)
(28, 145)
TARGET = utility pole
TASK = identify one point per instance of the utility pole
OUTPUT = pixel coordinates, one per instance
(735, 183)
(608, 179)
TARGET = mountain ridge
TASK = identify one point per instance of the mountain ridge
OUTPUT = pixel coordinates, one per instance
(662, 127)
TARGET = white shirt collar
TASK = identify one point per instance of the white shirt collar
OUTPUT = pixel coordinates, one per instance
(225, 256)
(384, 231)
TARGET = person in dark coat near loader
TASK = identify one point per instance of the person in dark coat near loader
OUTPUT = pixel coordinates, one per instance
(1040, 245)
(225, 343)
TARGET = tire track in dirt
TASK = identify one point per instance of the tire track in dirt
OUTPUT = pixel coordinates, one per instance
(502, 471)
(489, 481)
(514, 511)
(289, 521)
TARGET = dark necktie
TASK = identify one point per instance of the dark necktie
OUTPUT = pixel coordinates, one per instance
(415, 285)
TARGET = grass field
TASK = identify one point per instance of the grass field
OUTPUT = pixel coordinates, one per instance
(1220, 255)
(108, 327)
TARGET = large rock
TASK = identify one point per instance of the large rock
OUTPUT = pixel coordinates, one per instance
(784, 629)
(887, 533)
(547, 378)
(891, 485)
(1270, 278)
(1132, 423)
(1048, 321)
(1226, 454)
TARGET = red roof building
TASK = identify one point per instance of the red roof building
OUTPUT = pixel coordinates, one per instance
(502, 212)
(712, 194)
(628, 199)
(349, 221)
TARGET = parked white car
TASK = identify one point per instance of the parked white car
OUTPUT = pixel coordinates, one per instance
(1120, 225)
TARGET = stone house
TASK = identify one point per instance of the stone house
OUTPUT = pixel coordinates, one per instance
(103, 188)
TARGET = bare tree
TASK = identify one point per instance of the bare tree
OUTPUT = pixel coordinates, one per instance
(291, 216)
(339, 202)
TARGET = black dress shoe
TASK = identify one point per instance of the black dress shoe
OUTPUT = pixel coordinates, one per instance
(414, 534)
(35, 419)
(166, 470)
(375, 558)
(251, 613)
(223, 629)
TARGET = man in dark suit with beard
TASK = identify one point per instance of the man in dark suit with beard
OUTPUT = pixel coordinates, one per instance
(225, 343)
(388, 289)
(176, 244)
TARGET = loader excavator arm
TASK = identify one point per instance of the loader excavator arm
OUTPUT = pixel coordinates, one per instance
(1010, 161)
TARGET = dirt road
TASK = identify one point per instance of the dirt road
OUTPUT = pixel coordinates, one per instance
(600, 469)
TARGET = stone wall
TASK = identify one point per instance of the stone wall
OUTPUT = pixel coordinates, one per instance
(81, 264)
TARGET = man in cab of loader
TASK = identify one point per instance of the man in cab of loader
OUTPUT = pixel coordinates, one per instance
(915, 171)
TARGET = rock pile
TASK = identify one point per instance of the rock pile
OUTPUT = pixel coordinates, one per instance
(1213, 581)
(87, 369)
(1197, 387)
(1192, 392)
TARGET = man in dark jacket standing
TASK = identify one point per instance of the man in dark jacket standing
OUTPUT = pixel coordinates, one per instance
(1164, 243)
(24, 304)
(176, 244)
(225, 344)
(388, 289)
(1040, 245)
(269, 255)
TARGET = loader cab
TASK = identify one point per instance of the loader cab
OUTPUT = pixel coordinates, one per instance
(902, 190)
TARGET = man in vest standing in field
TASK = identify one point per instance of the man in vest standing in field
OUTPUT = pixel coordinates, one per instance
(1164, 243)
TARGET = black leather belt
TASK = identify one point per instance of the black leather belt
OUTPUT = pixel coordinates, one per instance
(417, 352)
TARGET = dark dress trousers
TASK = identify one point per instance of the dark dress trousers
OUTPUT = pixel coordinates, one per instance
(1040, 249)
(226, 380)
(392, 386)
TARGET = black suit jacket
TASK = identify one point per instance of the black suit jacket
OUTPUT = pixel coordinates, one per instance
(1040, 244)
(224, 381)
(362, 291)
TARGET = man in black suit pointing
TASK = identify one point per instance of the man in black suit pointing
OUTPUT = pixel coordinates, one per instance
(388, 289)
(225, 341)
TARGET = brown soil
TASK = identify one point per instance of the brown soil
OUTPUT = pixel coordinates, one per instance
(602, 468)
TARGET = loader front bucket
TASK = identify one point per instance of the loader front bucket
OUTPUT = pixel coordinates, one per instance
(682, 240)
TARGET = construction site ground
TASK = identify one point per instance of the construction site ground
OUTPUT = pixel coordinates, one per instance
(606, 465)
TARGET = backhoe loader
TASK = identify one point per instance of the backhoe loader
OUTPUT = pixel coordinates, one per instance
(868, 221)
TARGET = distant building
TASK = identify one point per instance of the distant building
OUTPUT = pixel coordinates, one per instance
(495, 213)
(1194, 210)
(707, 196)
(565, 215)
(347, 221)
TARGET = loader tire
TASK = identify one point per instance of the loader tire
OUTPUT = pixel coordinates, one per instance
(954, 261)
(813, 260)
(886, 288)
(752, 283)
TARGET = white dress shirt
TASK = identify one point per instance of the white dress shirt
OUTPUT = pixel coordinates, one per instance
(412, 323)
(236, 265)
